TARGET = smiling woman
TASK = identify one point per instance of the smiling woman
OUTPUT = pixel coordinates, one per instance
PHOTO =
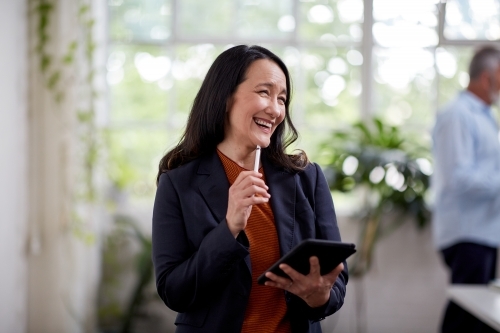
(220, 111)
(255, 110)
(218, 223)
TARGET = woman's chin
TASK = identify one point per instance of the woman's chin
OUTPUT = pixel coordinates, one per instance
(263, 143)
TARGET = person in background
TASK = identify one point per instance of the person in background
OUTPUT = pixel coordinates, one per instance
(466, 183)
(218, 223)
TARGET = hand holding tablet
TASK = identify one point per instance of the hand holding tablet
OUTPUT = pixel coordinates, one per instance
(330, 254)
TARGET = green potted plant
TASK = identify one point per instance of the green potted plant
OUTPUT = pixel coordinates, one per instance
(391, 174)
(115, 317)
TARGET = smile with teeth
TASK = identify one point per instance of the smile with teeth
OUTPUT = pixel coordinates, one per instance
(263, 123)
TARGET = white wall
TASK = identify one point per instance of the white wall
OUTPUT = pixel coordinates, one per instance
(403, 292)
(13, 166)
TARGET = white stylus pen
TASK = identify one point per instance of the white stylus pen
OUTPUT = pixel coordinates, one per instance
(257, 160)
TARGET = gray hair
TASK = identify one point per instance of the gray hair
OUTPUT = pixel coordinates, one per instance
(487, 58)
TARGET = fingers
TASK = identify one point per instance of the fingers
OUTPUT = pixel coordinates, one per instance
(314, 269)
(335, 272)
(248, 184)
(314, 272)
(313, 288)
(295, 281)
(247, 190)
(251, 177)
(337, 269)
(278, 281)
(292, 273)
(252, 190)
(298, 280)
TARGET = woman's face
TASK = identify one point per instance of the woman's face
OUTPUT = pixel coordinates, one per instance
(257, 106)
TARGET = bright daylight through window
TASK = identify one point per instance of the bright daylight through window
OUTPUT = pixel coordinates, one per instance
(349, 59)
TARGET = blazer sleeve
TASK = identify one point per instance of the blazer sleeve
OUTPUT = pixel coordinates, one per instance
(186, 276)
(326, 228)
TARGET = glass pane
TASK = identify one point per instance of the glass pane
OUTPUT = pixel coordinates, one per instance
(205, 18)
(189, 69)
(265, 19)
(139, 83)
(244, 18)
(472, 20)
(332, 86)
(452, 64)
(400, 23)
(134, 155)
(331, 20)
(404, 87)
(136, 20)
(329, 92)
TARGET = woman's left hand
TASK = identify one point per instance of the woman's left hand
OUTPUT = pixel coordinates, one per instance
(313, 288)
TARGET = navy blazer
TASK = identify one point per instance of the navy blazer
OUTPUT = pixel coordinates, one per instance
(203, 272)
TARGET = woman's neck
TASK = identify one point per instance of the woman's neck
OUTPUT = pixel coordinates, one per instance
(241, 155)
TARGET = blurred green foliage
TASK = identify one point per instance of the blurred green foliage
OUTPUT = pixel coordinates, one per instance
(118, 306)
(392, 172)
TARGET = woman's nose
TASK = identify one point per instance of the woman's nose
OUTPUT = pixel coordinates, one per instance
(274, 109)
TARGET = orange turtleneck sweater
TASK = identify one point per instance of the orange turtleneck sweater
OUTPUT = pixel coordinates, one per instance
(266, 309)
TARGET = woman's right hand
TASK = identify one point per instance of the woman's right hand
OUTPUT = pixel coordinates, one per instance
(247, 190)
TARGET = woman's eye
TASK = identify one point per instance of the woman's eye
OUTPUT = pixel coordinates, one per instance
(282, 100)
(264, 92)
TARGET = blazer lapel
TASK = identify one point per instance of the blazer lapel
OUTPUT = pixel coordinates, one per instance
(215, 187)
(282, 188)
(215, 190)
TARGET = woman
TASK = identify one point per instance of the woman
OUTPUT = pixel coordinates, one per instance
(217, 224)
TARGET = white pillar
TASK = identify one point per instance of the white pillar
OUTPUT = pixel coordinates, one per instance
(13, 166)
(64, 255)
(367, 68)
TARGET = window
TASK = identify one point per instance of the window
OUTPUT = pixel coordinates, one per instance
(161, 50)
(349, 59)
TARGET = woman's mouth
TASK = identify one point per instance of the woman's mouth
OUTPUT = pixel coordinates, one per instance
(263, 123)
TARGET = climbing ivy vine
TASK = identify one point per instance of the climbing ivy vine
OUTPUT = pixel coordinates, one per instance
(49, 64)
(76, 65)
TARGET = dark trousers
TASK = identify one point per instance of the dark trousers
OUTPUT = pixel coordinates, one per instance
(469, 263)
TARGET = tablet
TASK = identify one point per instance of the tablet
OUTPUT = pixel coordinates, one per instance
(329, 253)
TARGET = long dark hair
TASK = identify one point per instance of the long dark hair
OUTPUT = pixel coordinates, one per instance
(205, 126)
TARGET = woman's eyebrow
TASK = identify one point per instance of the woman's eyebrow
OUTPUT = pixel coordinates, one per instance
(271, 85)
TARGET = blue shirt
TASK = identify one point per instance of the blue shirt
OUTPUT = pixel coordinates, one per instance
(466, 178)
